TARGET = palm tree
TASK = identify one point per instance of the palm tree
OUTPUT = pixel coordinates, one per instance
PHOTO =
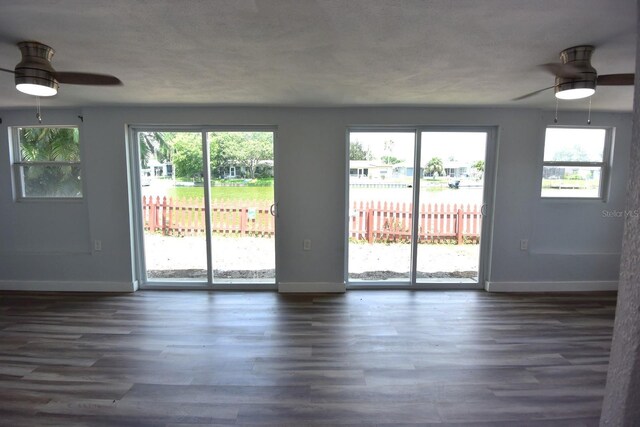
(51, 162)
(49, 144)
(434, 166)
(479, 166)
(153, 143)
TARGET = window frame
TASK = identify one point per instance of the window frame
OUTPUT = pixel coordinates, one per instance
(605, 165)
(17, 166)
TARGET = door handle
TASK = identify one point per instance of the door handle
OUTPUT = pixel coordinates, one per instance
(273, 209)
(483, 209)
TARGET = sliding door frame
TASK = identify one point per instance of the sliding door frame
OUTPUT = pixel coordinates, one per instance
(135, 207)
(487, 206)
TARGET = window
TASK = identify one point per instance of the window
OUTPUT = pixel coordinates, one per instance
(46, 162)
(575, 162)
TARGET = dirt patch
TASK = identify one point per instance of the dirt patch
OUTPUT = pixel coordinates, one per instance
(253, 258)
(270, 274)
(386, 275)
(220, 274)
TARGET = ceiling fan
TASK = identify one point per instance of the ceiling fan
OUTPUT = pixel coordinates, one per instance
(576, 78)
(34, 74)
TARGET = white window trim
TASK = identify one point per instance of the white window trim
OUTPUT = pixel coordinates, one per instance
(605, 165)
(17, 164)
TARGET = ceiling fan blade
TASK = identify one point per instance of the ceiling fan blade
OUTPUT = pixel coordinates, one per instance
(7, 70)
(616, 79)
(92, 79)
(566, 71)
(532, 93)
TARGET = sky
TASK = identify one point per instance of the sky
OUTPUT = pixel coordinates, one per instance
(464, 147)
(588, 141)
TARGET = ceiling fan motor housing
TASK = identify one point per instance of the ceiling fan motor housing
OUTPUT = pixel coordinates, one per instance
(580, 58)
(35, 66)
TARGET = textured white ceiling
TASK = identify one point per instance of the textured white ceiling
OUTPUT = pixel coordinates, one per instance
(319, 52)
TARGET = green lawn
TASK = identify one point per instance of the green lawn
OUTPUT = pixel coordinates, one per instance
(591, 184)
(227, 193)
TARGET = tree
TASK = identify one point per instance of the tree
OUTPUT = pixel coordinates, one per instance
(479, 165)
(435, 167)
(187, 154)
(576, 153)
(154, 143)
(388, 145)
(51, 145)
(245, 149)
(358, 152)
(390, 160)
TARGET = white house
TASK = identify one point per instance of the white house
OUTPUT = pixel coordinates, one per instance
(369, 169)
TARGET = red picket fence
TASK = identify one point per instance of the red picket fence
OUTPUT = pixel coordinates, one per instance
(369, 221)
(392, 222)
(186, 217)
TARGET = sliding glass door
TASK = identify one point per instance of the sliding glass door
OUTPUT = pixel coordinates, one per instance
(451, 199)
(172, 207)
(242, 207)
(434, 175)
(206, 207)
(380, 199)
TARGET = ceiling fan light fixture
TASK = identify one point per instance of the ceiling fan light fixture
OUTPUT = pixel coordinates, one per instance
(37, 89)
(577, 93)
(575, 76)
(34, 74)
(579, 88)
(584, 84)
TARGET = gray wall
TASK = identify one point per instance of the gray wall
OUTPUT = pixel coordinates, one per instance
(48, 245)
(622, 394)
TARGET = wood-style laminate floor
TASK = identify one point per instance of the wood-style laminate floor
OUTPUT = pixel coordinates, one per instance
(363, 358)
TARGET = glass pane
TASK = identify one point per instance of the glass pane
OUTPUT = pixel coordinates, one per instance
(51, 181)
(380, 201)
(242, 192)
(451, 197)
(571, 181)
(574, 145)
(39, 144)
(173, 207)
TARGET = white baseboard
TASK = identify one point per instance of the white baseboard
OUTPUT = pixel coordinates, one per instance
(313, 287)
(302, 287)
(551, 286)
(62, 286)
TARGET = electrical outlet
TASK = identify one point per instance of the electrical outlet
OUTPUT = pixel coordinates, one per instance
(97, 245)
(306, 245)
(524, 244)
